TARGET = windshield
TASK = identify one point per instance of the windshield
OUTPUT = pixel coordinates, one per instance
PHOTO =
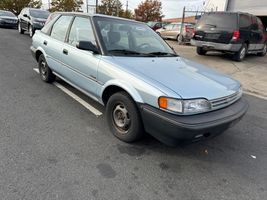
(39, 14)
(218, 20)
(151, 24)
(122, 37)
(7, 14)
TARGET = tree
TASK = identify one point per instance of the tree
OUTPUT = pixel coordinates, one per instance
(16, 6)
(111, 7)
(66, 5)
(149, 10)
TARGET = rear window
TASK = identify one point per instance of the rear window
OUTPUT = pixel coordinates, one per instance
(218, 20)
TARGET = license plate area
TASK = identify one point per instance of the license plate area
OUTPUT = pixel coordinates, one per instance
(212, 36)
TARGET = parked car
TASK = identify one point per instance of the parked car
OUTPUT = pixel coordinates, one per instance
(142, 82)
(156, 25)
(172, 31)
(8, 19)
(31, 19)
(230, 32)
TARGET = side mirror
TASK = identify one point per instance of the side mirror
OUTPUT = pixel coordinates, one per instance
(88, 46)
(25, 15)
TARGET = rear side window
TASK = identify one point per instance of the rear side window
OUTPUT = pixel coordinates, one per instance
(260, 25)
(81, 30)
(60, 28)
(245, 21)
(218, 20)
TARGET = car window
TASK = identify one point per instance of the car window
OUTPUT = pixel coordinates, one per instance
(122, 35)
(60, 28)
(43, 14)
(7, 13)
(218, 20)
(245, 21)
(254, 25)
(81, 30)
(177, 26)
(169, 27)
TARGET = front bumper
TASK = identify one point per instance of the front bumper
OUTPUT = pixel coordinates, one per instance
(8, 25)
(216, 46)
(172, 129)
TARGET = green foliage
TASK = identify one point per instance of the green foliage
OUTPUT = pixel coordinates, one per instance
(149, 10)
(66, 5)
(111, 7)
(16, 6)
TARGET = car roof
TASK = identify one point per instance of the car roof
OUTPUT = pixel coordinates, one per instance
(95, 15)
(228, 12)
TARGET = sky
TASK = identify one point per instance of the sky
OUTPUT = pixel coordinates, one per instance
(171, 8)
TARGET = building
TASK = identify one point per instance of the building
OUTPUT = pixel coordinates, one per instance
(255, 7)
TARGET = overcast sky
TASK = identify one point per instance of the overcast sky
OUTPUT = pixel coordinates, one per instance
(171, 8)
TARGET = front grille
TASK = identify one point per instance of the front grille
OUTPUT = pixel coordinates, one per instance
(225, 101)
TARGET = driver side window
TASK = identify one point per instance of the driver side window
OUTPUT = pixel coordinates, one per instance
(81, 30)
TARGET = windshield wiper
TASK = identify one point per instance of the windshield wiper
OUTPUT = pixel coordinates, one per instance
(159, 53)
(128, 52)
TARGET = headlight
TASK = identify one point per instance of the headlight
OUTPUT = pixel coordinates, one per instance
(192, 106)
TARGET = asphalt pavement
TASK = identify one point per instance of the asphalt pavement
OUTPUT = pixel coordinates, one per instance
(52, 147)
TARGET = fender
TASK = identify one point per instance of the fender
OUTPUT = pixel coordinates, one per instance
(125, 86)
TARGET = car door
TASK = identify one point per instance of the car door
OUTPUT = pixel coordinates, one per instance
(245, 25)
(166, 32)
(175, 31)
(255, 33)
(54, 44)
(22, 18)
(82, 65)
(25, 19)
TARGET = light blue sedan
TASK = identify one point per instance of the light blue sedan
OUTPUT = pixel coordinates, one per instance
(144, 85)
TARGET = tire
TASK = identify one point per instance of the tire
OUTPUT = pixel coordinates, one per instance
(45, 72)
(31, 31)
(264, 51)
(201, 51)
(123, 118)
(241, 54)
(21, 31)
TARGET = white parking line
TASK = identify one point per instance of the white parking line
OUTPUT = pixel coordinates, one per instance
(75, 97)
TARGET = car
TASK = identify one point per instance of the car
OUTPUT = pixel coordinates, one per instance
(31, 19)
(8, 19)
(237, 33)
(143, 84)
(156, 25)
(172, 31)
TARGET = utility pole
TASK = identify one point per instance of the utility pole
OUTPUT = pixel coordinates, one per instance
(180, 38)
(96, 5)
(49, 5)
(126, 6)
(87, 6)
(117, 8)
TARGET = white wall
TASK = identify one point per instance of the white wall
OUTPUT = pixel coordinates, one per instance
(213, 5)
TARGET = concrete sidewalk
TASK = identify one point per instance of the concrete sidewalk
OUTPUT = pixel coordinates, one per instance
(252, 72)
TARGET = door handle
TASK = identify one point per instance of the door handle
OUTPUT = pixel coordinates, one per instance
(65, 51)
(45, 42)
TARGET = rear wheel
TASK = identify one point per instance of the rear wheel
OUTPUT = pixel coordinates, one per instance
(264, 51)
(241, 54)
(20, 29)
(123, 117)
(45, 72)
(201, 51)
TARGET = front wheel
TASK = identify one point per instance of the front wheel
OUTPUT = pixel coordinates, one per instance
(241, 54)
(31, 31)
(201, 51)
(45, 72)
(20, 29)
(123, 117)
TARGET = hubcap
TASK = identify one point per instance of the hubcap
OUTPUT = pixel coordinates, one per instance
(43, 70)
(121, 118)
(243, 53)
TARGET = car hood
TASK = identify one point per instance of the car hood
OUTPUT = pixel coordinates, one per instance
(6, 17)
(39, 19)
(186, 78)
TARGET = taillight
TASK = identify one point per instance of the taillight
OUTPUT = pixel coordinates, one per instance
(236, 35)
(194, 31)
(186, 29)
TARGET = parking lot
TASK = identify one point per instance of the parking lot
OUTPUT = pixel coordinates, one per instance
(52, 147)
